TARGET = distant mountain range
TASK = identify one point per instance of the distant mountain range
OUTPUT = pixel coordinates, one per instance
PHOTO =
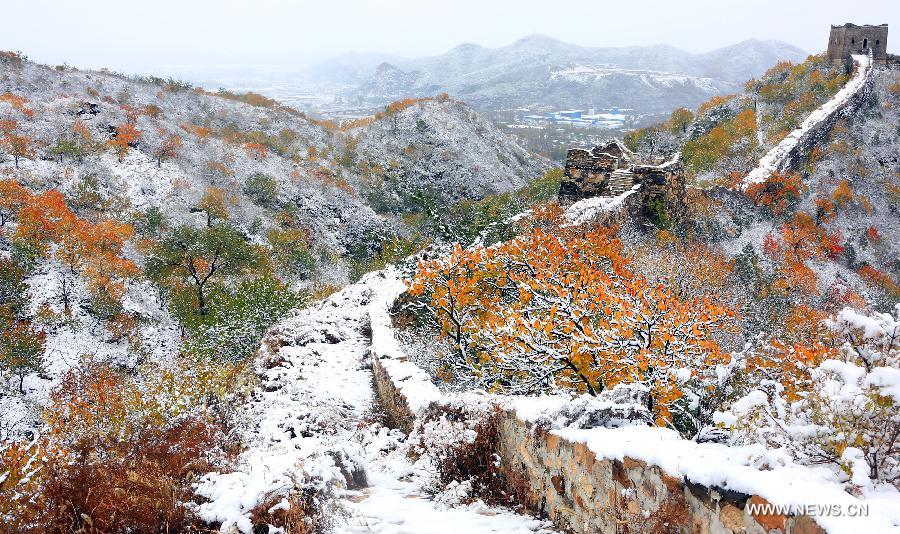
(539, 70)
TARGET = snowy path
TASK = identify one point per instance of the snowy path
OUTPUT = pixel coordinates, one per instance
(396, 507)
(774, 159)
(311, 420)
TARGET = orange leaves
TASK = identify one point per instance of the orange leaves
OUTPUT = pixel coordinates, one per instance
(201, 132)
(88, 403)
(213, 203)
(843, 194)
(12, 196)
(801, 239)
(15, 143)
(19, 103)
(879, 279)
(563, 309)
(21, 471)
(255, 150)
(778, 193)
(116, 442)
(44, 219)
(47, 225)
(872, 234)
(802, 345)
(168, 147)
(714, 102)
(126, 135)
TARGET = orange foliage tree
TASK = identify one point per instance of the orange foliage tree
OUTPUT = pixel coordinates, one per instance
(795, 348)
(17, 144)
(118, 453)
(255, 150)
(168, 147)
(126, 135)
(201, 132)
(213, 204)
(48, 226)
(779, 193)
(800, 240)
(562, 309)
(879, 279)
(12, 196)
(843, 194)
(19, 103)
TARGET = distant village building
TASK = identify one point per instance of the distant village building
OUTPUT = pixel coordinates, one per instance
(849, 39)
(611, 169)
(579, 117)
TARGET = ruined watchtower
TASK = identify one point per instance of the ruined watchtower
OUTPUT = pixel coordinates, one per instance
(611, 170)
(852, 39)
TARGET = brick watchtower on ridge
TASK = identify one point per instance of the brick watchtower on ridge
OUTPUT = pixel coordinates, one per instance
(849, 39)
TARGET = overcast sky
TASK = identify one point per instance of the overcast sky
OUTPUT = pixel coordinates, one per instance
(136, 35)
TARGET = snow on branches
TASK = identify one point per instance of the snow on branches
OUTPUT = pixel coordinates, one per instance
(846, 413)
(561, 309)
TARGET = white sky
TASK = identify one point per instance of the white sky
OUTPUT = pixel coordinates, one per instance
(135, 35)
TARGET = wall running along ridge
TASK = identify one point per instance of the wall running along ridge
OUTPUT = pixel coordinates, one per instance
(793, 149)
(566, 481)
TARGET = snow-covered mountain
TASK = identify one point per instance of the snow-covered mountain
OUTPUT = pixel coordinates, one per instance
(650, 78)
(353, 68)
(443, 148)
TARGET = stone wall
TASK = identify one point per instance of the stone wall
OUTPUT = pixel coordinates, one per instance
(581, 493)
(564, 480)
(391, 399)
(587, 174)
(799, 154)
(610, 170)
(663, 189)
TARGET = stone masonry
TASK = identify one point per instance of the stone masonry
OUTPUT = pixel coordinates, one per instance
(610, 169)
(585, 494)
(849, 39)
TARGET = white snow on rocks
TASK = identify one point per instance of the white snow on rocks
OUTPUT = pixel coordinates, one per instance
(774, 159)
(586, 210)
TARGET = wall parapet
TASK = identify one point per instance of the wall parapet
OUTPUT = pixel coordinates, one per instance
(630, 479)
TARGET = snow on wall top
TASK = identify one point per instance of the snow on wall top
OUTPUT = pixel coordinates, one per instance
(751, 469)
(775, 159)
(588, 209)
(412, 381)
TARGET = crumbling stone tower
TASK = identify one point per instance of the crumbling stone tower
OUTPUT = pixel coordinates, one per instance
(611, 170)
(597, 172)
(852, 39)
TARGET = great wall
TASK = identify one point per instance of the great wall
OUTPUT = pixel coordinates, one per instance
(571, 481)
(611, 174)
(584, 480)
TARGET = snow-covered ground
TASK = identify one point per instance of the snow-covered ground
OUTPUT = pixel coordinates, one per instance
(774, 159)
(589, 209)
(311, 423)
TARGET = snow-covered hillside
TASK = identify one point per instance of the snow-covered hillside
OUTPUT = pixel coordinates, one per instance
(199, 159)
(445, 149)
